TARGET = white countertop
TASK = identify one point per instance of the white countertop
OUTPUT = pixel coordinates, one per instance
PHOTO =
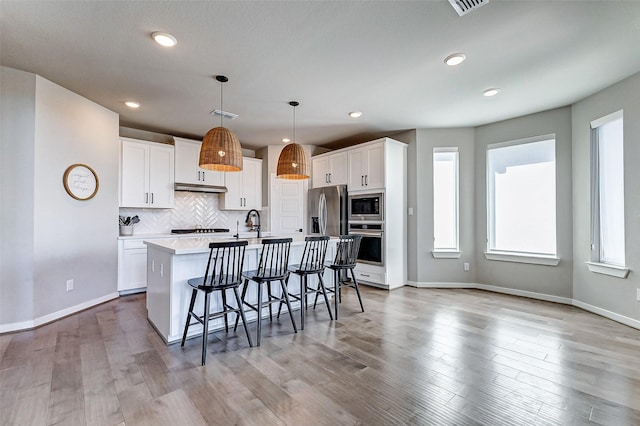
(195, 245)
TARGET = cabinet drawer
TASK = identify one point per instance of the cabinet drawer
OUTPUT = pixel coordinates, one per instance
(368, 276)
(133, 244)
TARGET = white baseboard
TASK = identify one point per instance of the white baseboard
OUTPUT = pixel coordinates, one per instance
(525, 293)
(441, 285)
(608, 314)
(25, 325)
(533, 295)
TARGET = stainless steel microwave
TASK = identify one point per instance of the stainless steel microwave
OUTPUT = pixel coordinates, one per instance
(366, 207)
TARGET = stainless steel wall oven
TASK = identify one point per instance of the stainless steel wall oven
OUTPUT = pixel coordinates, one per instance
(372, 245)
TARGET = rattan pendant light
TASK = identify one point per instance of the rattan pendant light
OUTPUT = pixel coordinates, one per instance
(294, 162)
(221, 150)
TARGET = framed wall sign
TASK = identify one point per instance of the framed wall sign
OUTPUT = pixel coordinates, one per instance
(80, 181)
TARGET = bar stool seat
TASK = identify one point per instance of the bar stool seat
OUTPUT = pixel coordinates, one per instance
(225, 263)
(345, 260)
(311, 263)
(274, 260)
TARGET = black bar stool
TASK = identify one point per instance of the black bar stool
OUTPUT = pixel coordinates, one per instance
(312, 263)
(346, 258)
(274, 260)
(225, 263)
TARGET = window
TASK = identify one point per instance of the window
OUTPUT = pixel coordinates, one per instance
(607, 191)
(445, 201)
(521, 189)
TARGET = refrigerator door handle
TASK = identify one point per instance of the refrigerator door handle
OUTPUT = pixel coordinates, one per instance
(322, 213)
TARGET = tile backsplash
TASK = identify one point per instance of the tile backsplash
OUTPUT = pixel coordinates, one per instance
(191, 209)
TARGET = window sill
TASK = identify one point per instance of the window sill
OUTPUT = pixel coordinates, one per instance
(606, 269)
(535, 259)
(446, 254)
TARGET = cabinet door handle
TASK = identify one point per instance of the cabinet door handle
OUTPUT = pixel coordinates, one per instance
(364, 275)
(146, 198)
(198, 175)
(203, 177)
(366, 180)
(152, 198)
(326, 178)
(361, 180)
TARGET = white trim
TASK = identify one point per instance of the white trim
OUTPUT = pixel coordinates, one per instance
(535, 259)
(608, 314)
(445, 149)
(440, 285)
(631, 322)
(525, 293)
(606, 269)
(25, 325)
(446, 254)
(531, 139)
(606, 119)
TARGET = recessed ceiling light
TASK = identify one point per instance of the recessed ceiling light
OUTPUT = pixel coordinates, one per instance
(491, 92)
(164, 39)
(132, 104)
(355, 114)
(286, 140)
(455, 59)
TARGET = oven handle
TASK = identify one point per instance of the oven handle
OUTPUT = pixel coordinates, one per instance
(366, 233)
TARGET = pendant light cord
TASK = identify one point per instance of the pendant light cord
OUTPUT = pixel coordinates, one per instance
(294, 124)
(221, 109)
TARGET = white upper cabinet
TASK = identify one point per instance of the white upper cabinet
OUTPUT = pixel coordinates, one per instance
(329, 169)
(366, 167)
(147, 174)
(244, 189)
(187, 169)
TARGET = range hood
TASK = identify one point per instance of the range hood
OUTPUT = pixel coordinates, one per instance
(198, 187)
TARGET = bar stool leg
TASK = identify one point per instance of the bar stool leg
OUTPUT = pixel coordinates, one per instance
(336, 296)
(244, 319)
(357, 289)
(205, 330)
(224, 306)
(241, 305)
(194, 293)
(303, 299)
(324, 293)
(269, 298)
(259, 304)
(286, 298)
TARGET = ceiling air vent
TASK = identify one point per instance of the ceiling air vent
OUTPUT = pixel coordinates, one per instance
(465, 6)
(225, 114)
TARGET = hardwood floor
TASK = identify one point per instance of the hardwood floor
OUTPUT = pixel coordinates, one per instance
(415, 356)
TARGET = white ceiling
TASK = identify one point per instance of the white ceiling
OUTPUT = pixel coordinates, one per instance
(384, 58)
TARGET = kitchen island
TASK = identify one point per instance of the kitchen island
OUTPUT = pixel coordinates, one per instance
(171, 262)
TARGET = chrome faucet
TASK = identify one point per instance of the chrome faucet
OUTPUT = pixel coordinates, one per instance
(258, 225)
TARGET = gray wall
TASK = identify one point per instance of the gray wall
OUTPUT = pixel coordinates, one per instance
(422, 267)
(606, 292)
(17, 133)
(551, 280)
(57, 238)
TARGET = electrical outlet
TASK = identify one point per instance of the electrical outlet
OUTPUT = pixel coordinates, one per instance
(466, 266)
(638, 294)
(69, 285)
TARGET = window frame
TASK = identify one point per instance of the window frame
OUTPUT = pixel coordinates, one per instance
(452, 252)
(516, 256)
(596, 263)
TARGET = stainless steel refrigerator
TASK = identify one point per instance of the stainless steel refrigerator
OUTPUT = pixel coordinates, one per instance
(327, 211)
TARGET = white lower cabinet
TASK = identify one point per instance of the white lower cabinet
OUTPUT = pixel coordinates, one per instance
(371, 274)
(132, 265)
